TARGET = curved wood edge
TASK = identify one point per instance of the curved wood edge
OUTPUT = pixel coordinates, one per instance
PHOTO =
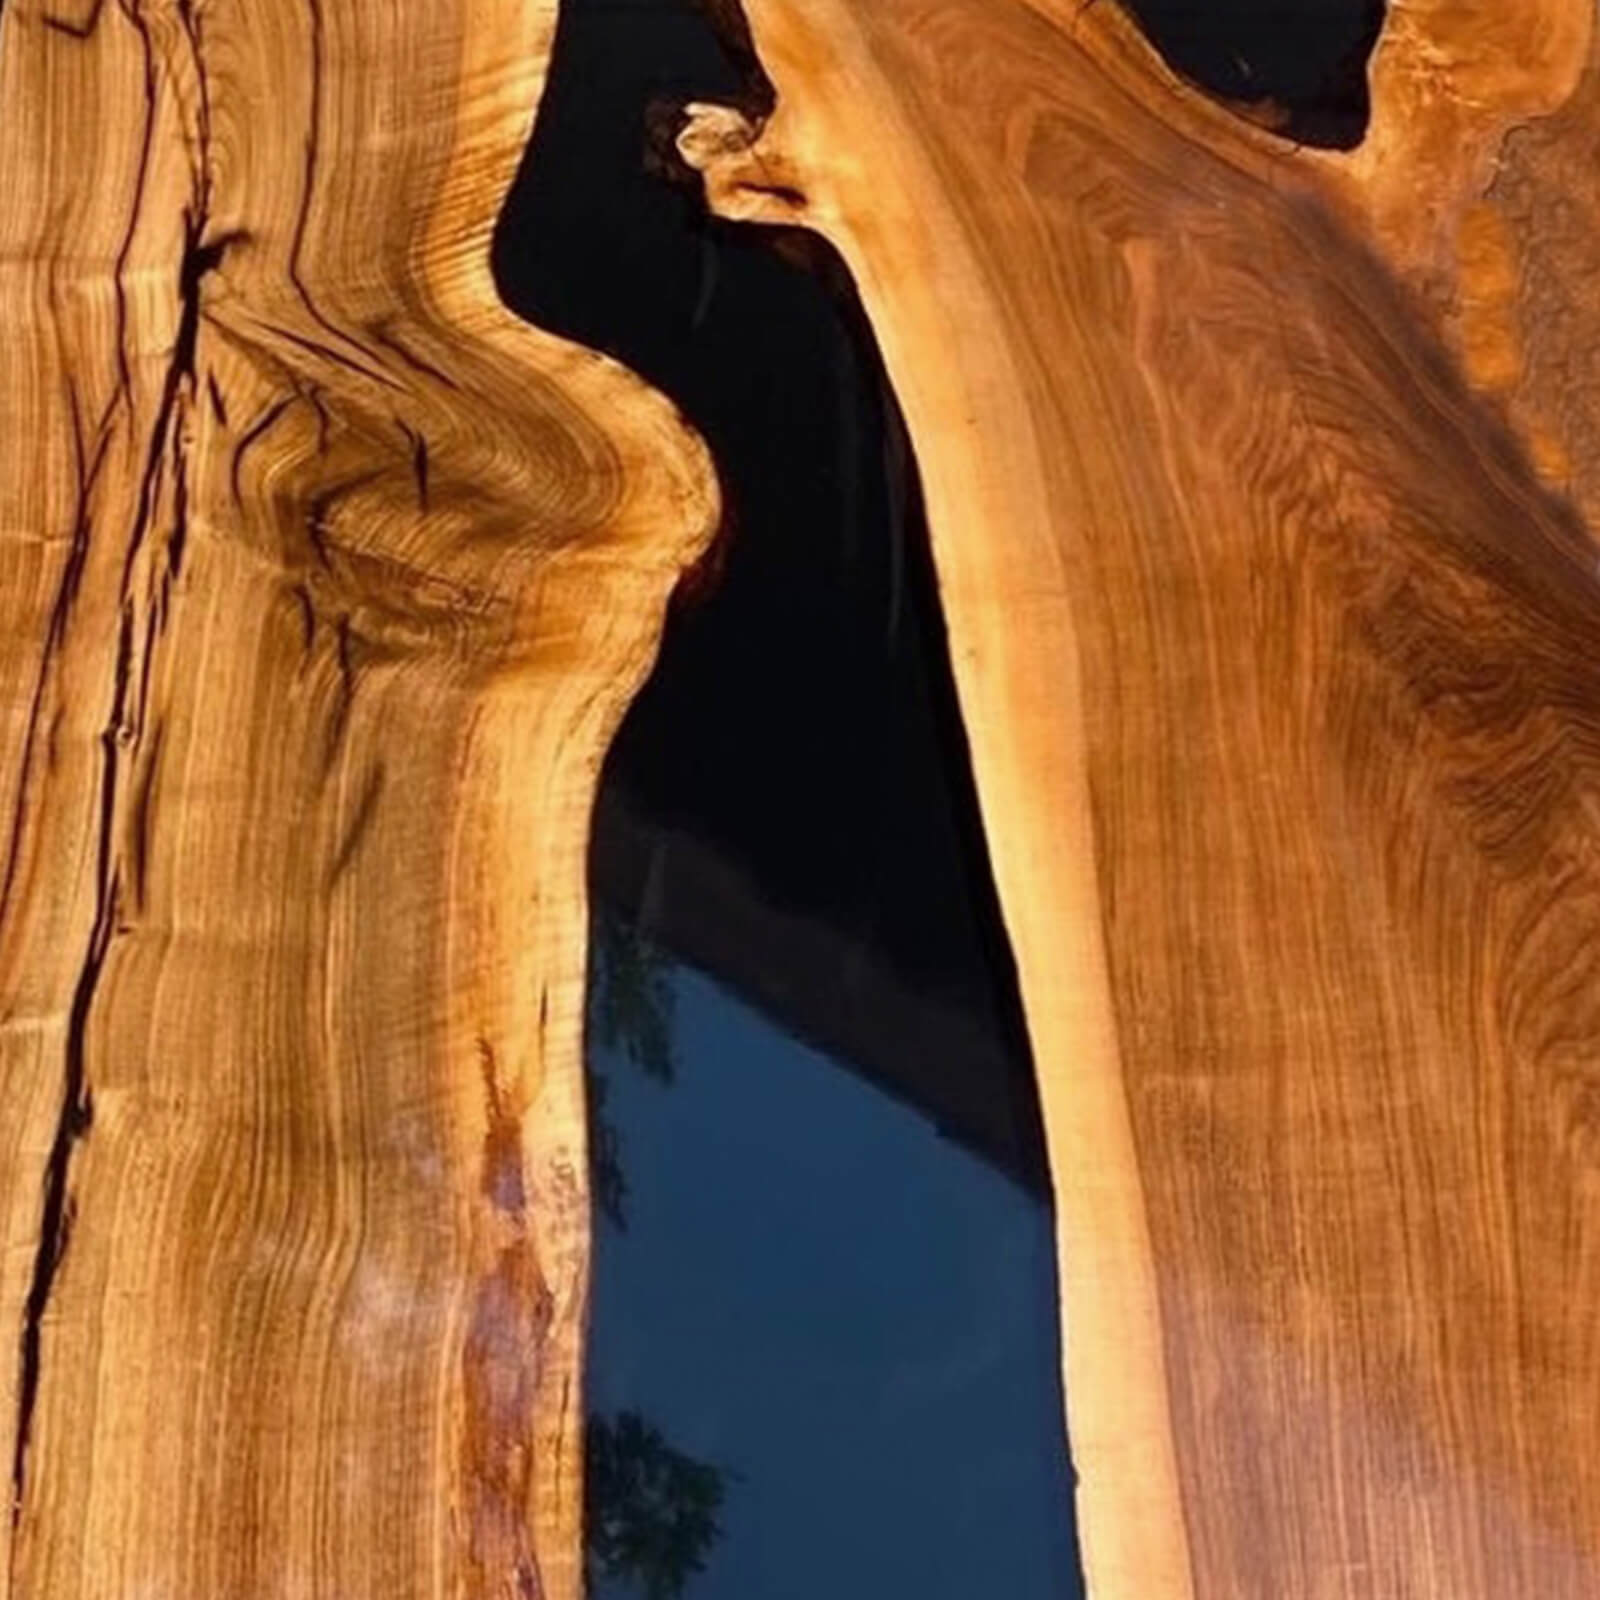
(869, 181)
(323, 584)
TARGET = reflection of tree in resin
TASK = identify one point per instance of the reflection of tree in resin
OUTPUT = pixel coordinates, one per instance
(651, 1510)
(631, 995)
(630, 1013)
(606, 1182)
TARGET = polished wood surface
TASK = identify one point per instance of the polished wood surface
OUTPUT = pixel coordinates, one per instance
(1263, 490)
(1261, 484)
(323, 582)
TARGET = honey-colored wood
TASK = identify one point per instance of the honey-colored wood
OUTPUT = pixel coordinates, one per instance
(1263, 490)
(1261, 484)
(323, 582)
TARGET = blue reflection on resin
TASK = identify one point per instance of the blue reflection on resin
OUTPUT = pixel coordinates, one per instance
(846, 1316)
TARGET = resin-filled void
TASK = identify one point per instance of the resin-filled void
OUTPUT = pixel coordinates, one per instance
(824, 1350)
(1299, 66)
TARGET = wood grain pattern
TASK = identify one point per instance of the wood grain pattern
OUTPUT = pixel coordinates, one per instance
(1258, 481)
(323, 582)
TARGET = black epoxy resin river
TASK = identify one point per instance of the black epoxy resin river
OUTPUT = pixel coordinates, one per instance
(824, 1355)
(1300, 64)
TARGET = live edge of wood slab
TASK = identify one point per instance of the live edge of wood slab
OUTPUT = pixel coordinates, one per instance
(323, 583)
(1262, 488)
